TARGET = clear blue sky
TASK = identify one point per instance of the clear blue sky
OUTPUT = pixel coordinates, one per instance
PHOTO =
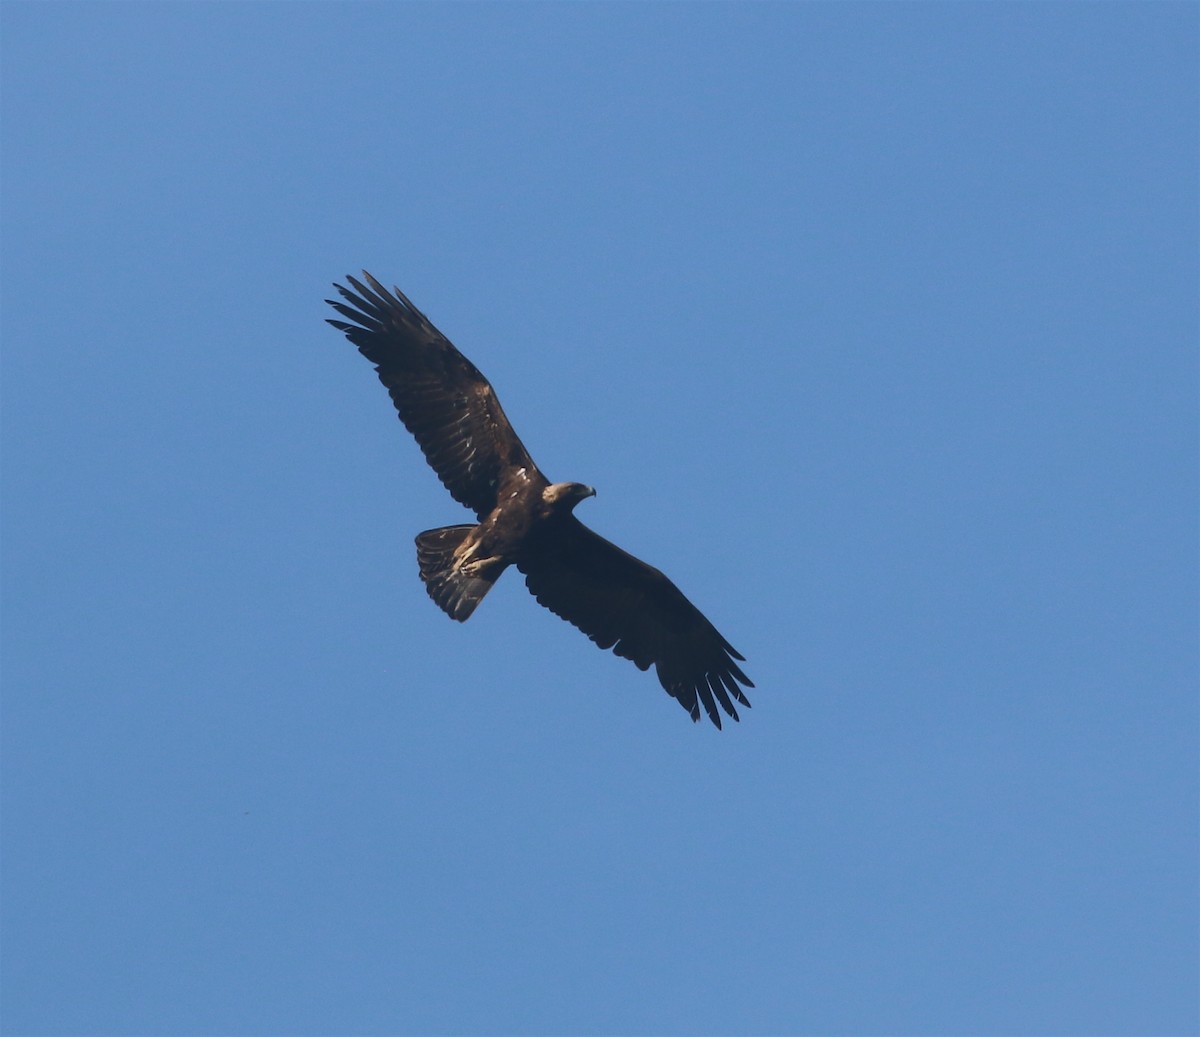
(876, 329)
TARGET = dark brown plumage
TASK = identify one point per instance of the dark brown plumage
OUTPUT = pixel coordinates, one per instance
(525, 520)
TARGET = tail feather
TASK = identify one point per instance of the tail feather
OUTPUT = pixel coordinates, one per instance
(455, 592)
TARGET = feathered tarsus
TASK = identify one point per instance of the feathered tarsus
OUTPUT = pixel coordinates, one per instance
(523, 519)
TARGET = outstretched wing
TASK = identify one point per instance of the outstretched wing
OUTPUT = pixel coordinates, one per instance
(442, 398)
(626, 605)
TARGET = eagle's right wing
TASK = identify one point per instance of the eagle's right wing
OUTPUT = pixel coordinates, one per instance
(443, 400)
(626, 605)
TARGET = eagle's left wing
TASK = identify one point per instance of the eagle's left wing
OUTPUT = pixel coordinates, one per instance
(626, 605)
(442, 398)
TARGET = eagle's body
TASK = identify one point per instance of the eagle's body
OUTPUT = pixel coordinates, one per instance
(525, 520)
(529, 513)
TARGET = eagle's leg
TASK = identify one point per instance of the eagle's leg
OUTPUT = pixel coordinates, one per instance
(466, 563)
(481, 567)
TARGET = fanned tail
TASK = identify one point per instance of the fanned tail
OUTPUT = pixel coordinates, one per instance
(456, 592)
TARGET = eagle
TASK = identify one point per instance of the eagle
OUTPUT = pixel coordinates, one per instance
(523, 518)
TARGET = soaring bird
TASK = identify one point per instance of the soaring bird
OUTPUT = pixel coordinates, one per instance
(523, 518)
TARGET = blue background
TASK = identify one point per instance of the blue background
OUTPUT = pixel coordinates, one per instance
(874, 326)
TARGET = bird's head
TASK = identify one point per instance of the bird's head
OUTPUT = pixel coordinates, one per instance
(563, 496)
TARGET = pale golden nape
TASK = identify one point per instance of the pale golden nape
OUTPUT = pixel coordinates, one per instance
(559, 492)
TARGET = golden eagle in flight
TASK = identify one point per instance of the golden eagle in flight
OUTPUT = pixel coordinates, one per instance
(524, 519)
